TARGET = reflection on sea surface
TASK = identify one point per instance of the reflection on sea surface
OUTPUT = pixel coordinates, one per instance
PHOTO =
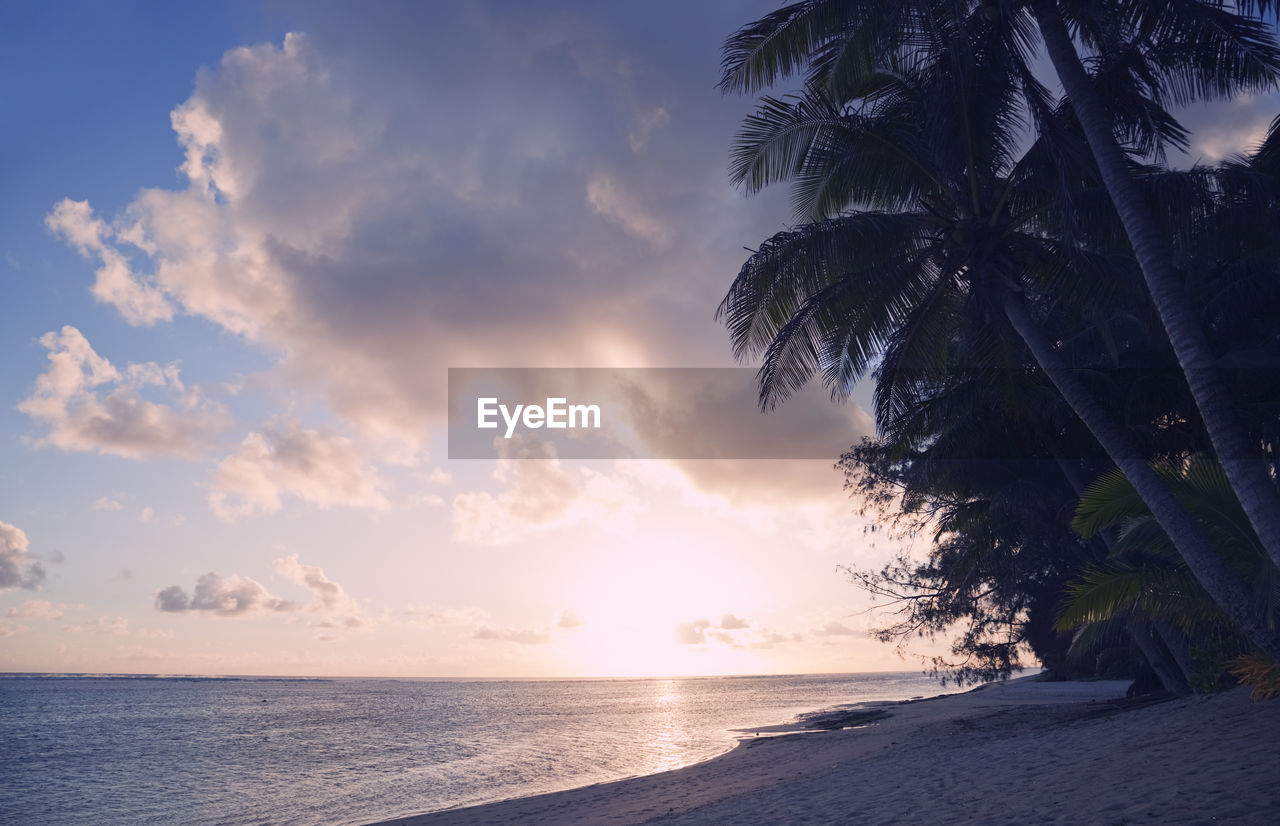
(157, 751)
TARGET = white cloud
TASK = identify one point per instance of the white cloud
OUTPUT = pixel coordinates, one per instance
(768, 639)
(148, 513)
(38, 609)
(834, 629)
(539, 494)
(645, 124)
(612, 200)
(329, 215)
(692, 633)
(569, 619)
(17, 567)
(282, 458)
(118, 626)
(329, 595)
(116, 419)
(138, 301)
(1232, 128)
(424, 616)
(437, 476)
(105, 503)
(516, 635)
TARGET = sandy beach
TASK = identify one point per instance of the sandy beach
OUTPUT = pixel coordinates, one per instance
(1016, 752)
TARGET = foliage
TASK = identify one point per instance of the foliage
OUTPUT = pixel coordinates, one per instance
(1144, 577)
(932, 176)
(1260, 673)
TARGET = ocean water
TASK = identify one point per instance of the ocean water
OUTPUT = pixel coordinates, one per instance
(131, 750)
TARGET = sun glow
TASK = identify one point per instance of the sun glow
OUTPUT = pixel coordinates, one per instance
(634, 600)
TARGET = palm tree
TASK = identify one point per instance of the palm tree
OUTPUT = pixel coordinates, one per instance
(957, 227)
(1188, 58)
(972, 458)
(1178, 51)
(1145, 580)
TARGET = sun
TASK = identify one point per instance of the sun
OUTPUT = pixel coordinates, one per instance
(633, 598)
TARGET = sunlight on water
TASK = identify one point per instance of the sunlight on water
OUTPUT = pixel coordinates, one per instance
(200, 751)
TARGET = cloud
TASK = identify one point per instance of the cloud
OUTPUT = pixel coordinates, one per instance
(569, 619)
(692, 633)
(329, 595)
(103, 503)
(834, 629)
(138, 301)
(424, 616)
(437, 476)
(147, 514)
(539, 494)
(610, 199)
(330, 215)
(233, 596)
(731, 623)
(118, 626)
(768, 639)
(237, 596)
(17, 567)
(521, 636)
(645, 124)
(1231, 128)
(38, 609)
(316, 466)
(117, 420)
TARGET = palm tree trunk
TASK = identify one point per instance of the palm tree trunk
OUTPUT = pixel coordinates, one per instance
(1240, 457)
(1222, 583)
(1166, 670)
(1180, 673)
(1176, 642)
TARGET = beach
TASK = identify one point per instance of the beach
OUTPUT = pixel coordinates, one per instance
(1015, 752)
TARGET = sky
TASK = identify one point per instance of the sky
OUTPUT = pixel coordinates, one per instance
(242, 246)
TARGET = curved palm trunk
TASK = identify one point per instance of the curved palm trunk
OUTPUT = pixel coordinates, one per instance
(1222, 583)
(1167, 672)
(1176, 641)
(1173, 673)
(1240, 459)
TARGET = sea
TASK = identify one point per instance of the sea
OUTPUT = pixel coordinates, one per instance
(131, 750)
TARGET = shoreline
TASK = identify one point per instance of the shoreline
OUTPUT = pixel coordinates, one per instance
(1018, 751)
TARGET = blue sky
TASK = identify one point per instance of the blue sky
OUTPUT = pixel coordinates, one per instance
(252, 239)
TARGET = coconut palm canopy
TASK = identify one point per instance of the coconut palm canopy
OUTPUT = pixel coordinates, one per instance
(956, 219)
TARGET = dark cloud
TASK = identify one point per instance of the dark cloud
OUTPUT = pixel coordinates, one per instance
(233, 596)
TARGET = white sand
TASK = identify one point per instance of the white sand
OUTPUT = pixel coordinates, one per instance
(1016, 753)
